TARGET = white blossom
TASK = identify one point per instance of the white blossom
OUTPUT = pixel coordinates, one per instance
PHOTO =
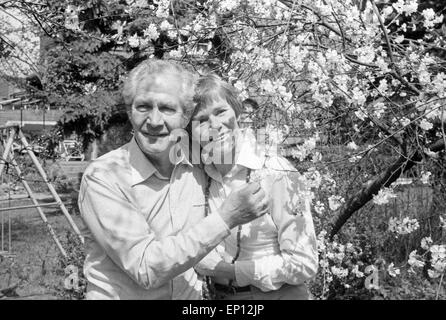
(426, 125)
(405, 121)
(163, 8)
(356, 272)
(354, 159)
(414, 260)
(379, 109)
(134, 41)
(175, 54)
(339, 272)
(308, 124)
(403, 226)
(431, 18)
(165, 25)
(360, 114)
(426, 242)
(151, 32)
(383, 196)
(334, 202)
(425, 175)
(358, 96)
(319, 207)
(352, 145)
(228, 5)
(442, 223)
(410, 7)
(393, 272)
(433, 273)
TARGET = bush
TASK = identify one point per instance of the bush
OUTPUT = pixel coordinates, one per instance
(71, 268)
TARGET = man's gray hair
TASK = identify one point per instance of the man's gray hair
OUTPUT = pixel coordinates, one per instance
(152, 68)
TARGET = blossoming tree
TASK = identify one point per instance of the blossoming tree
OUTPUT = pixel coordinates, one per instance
(361, 82)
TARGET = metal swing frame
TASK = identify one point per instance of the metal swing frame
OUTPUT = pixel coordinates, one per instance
(15, 131)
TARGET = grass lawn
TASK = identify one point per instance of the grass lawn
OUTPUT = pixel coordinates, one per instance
(35, 266)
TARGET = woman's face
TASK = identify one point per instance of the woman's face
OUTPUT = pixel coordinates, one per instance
(215, 127)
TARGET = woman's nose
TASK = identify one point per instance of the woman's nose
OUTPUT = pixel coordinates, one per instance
(214, 122)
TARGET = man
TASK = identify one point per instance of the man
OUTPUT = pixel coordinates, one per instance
(144, 215)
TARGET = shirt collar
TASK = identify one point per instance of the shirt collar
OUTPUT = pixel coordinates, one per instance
(248, 154)
(142, 167)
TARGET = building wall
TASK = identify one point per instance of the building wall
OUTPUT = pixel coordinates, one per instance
(4, 90)
(29, 115)
(7, 89)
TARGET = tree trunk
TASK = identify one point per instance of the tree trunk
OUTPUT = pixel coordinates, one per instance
(358, 200)
(94, 149)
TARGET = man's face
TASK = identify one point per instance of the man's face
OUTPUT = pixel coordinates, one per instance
(156, 111)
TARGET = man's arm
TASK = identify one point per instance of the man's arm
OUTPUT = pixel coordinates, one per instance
(216, 265)
(121, 230)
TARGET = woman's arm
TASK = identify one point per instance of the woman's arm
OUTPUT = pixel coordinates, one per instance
(298, 258)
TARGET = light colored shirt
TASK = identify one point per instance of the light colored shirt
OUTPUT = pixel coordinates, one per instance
(279, 247)
(143, 232)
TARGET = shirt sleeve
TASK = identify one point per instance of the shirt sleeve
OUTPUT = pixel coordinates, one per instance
(122, 231)
(298, 258)
(208, 264)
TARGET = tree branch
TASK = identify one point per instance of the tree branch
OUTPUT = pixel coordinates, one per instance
(385, 179)
(397, 74)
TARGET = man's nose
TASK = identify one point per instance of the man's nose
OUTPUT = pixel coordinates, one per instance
(155, 118)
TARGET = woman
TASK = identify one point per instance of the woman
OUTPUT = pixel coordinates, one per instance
(271, 257)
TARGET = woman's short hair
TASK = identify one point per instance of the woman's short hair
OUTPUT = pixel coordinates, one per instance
(211, 87)
(154, 67)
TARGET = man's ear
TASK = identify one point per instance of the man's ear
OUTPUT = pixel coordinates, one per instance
(128, 110)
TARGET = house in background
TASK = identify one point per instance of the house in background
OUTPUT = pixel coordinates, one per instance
(18, 107)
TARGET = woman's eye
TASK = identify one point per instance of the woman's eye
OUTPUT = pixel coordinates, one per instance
(220, 112)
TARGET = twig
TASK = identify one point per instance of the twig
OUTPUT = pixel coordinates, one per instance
(442, 124)
(386, 138)
(397, 73)
(439, 286)
(339, 25)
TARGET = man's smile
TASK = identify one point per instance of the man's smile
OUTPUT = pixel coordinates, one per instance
(155, 135)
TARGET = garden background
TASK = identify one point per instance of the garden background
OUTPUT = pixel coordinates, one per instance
(352, 90)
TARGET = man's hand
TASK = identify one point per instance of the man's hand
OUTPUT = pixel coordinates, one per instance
(244, 204)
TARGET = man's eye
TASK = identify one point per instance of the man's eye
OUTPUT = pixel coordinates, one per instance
(220, 112)
(143, 108)
(167, 110)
